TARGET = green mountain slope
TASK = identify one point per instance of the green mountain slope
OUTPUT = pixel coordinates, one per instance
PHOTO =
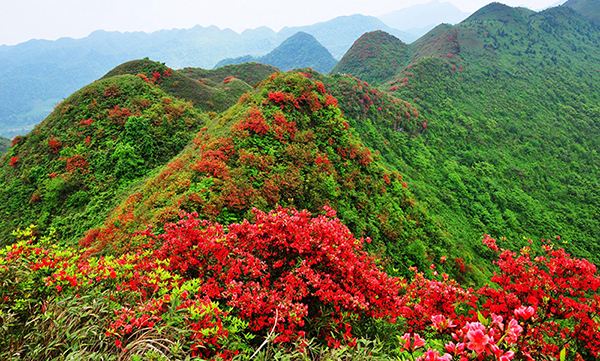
(69, 170)
(374, 57)
(285, 144)
(510, 105)
(251, 73)
(205, 94)
(301, 50)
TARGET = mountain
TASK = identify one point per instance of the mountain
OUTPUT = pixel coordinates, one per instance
(205, 94)
(301, 50)
(92, 148)
(497, 141)
(338, 34)
(374, 57)
(38, 74)
(285, 144)
(419, 19)
(589, 9)
(4, 144)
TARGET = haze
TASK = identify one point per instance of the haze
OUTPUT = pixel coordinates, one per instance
(42, 19)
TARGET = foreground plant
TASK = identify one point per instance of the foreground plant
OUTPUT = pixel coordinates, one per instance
(285, 282)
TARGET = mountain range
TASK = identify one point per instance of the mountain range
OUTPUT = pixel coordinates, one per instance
(39, 73)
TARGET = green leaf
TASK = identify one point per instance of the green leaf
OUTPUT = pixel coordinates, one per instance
(563, 354)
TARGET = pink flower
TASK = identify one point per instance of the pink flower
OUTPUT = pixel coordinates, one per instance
(497, 320)
(525, 313)
(478, 339)
(418, 342)
(513, 332)
(507, 356)
(440, 322)
(432, 355)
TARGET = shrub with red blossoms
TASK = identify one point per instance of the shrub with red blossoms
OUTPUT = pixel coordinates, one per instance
(285, 265)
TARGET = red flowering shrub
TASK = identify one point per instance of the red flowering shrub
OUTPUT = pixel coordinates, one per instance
(54, 145)
(553, 293)
(254, 122)
(13, 161)
(286, 265)
(76, 162)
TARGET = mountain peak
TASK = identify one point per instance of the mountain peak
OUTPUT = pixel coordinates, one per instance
(300, 50)
(500, 12)
(374, 57)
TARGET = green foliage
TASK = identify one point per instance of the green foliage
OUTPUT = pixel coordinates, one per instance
(91, 149)
(374, 57)
(251, 73)
(510, 99)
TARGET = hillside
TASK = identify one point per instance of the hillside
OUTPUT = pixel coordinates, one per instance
(109, 135)
(286, 144)
(205, 94)
(301, 50)
(374, 57)
(501, 153)
(251, 73)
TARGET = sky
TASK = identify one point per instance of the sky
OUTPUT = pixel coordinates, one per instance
(22, 20)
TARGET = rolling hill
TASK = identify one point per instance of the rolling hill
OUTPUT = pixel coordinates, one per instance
(98, 142)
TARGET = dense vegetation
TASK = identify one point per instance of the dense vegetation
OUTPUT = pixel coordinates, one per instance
(69, 170)
(301, 50)
(285, 144)
(374, 57)
(508, 148)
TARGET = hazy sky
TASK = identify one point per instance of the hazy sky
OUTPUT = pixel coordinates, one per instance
(21, 20)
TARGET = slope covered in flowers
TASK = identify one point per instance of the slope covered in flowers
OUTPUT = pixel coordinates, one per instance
(300, 283)
(69, 170)
(285, 144)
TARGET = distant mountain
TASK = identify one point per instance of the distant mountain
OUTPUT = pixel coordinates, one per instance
(374, 57)
(419, 19)
(37, 74)
(338, 34)
(589, 9)
(301, 50)
(4, 144)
